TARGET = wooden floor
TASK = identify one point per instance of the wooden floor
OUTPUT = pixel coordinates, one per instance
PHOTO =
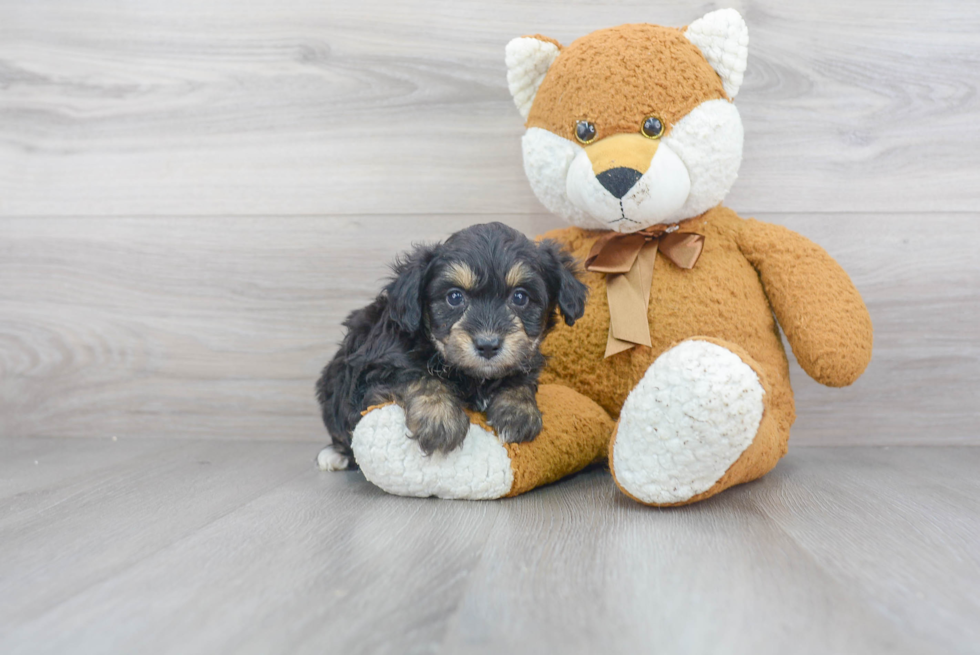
(203, 546)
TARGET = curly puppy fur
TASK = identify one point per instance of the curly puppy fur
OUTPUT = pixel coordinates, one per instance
(458, 327)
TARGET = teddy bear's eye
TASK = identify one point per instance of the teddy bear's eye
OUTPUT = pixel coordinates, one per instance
(585, 131)
(653, 127)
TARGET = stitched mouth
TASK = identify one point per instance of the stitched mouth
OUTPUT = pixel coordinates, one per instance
(622, 215)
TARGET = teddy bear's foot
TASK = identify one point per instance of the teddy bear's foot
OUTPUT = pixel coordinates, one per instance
(695, 413)
(576, 433)
(478, 470)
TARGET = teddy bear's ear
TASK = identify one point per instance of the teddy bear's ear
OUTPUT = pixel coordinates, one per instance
(528, 59)
(723, 39)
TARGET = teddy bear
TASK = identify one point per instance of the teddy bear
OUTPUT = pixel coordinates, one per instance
(676, 374)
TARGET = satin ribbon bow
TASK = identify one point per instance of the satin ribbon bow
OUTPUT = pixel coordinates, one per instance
(627, 260)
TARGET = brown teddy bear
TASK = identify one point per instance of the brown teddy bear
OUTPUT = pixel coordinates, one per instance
(676, 372)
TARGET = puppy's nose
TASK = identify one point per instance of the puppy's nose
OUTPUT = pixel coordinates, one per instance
(488, 347)
(618, 181)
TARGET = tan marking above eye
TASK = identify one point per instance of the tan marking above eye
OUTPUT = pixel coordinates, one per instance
(517, 274)
(622, 151)
(460, 274)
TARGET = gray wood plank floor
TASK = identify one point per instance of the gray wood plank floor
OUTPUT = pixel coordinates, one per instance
(201, 546)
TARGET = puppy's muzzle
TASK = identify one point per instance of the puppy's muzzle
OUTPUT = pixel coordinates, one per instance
(487, 346)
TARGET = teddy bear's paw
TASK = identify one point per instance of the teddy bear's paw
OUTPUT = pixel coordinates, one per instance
(696, 410)
(480, 469)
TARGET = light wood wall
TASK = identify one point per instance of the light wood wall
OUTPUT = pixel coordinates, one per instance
(194, 193)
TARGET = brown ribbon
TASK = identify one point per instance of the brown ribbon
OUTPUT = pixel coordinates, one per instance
(627, 260)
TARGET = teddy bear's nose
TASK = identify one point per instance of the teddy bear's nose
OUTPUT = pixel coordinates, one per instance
(618, 181)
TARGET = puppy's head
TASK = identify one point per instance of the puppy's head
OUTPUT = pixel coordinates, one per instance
(486, 297)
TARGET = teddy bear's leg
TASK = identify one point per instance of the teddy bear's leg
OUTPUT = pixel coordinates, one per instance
(701, 420)
(576, 433)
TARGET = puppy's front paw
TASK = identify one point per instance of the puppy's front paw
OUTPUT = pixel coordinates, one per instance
(436, 422)
(331, 459)
(514, 414)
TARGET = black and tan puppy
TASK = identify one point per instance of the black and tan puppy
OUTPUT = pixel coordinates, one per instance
(458, 326)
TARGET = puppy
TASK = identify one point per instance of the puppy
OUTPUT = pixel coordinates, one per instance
(457, 327)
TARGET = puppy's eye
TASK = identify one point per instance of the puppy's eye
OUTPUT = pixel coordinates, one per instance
(652, 127)
(455, 298)
(585, 131)
(520, 297)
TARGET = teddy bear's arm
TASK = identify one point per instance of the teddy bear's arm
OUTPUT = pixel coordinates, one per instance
(814, 300)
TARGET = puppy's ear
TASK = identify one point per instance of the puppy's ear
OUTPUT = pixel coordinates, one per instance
(563, 283)
(405, 302)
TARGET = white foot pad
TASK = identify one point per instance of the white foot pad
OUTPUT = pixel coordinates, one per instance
(697, 408)
(478, 470)
(330, 460)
